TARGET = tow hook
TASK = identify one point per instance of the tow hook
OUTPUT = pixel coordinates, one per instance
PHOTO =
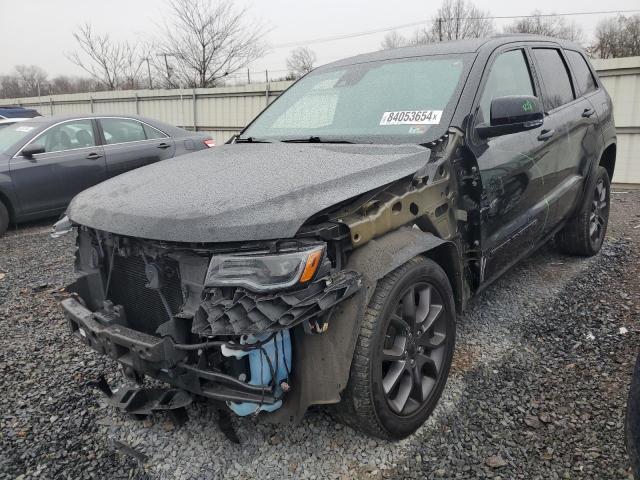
(141, 402)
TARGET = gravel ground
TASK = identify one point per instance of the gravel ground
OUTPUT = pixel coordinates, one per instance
(537, 390)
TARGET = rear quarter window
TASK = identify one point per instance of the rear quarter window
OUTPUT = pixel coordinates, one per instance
(152, 133)
(584, 78)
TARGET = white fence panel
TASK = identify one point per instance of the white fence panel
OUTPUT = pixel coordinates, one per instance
(224, 111)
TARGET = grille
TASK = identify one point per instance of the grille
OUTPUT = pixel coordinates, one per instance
(143, 306)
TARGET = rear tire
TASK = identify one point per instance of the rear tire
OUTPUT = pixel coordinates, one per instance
(403, 353)
(4, 219)
(632, 422)
(585, 232)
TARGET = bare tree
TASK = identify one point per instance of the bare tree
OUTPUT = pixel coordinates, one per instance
(300, 61)
(114, 64)
(206, 40)
(26, 80)
(456, 19)
(66, 84)
(31, 78)
(393, 40)
(10, 86)
(617, 37)
(552, 26)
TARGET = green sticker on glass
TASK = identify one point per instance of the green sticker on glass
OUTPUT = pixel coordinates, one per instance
(527, 106)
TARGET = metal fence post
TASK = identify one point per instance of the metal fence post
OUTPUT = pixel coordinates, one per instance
(195, 127)
(51, 105)
(137, 108)
(91, 103)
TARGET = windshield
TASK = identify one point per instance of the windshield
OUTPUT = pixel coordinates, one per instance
(401, 98)
(14, 133)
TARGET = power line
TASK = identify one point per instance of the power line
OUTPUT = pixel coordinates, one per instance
(422, 22)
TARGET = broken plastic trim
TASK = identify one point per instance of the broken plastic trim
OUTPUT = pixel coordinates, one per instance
(242, 312)
(158, 358)
(140, 401)
(61, 227)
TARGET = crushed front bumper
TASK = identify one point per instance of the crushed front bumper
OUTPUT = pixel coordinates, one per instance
(159, 358)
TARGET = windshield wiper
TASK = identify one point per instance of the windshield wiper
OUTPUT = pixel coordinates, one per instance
(250, 140)
(314, 139)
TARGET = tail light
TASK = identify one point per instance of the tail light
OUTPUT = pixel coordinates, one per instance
(209, 142)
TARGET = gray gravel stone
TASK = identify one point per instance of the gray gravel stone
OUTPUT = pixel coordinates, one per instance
(542, 343)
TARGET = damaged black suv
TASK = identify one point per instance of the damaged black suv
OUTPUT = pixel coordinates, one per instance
(322, 256)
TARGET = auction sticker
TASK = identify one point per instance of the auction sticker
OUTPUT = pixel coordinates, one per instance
(24, 129)
(411, 117)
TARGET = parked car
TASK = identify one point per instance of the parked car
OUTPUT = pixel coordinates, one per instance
(323, 256)
(13, 111)
(10, 121)
(632, 421)
(45, 161)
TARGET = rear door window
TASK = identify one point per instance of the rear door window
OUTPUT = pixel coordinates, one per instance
(509, 75)
(122, 130)
(555, 77)
(582, 72)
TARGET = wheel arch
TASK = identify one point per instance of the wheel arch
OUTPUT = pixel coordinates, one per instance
(608, 159)
(384, 254)
(322, 371)
(4, 198)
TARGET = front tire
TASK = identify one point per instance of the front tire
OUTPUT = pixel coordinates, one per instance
(4, 219)
(585, 232)
(403, 353)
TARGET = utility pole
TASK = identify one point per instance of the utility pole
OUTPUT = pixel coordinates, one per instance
(149, 73)
(167, 67)
(166, 64)
(248, 77)
(440, 28)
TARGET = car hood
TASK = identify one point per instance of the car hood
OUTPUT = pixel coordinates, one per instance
(240, 192)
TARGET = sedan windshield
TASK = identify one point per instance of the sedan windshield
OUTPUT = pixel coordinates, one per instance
(14, 133)
(402, 99)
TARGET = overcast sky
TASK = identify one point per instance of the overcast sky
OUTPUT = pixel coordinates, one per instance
(39, 31)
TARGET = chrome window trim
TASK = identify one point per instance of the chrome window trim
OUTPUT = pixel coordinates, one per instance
(59, 153)
(19, 152)
(157, 130)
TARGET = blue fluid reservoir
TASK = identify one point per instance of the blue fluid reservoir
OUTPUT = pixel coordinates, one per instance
(278, 351)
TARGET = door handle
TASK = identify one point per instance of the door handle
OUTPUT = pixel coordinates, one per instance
(546, 134)
(588, 112)
(93, 156)
(164, 145)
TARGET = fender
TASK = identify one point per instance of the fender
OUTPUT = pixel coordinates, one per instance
(322, 367)
(7, 195)
(592, 169)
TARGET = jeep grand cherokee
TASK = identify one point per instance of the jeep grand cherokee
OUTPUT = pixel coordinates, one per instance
(322, 256)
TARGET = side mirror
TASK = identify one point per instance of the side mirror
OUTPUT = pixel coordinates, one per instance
(512, 114)
(30, 150)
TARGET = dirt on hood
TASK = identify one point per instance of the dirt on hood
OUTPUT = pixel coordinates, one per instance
(240, 192)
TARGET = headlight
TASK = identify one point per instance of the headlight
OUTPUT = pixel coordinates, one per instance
(61, 227)
(262, 272)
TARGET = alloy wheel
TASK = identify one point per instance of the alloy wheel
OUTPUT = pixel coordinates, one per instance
(599, 213)
(414, 348)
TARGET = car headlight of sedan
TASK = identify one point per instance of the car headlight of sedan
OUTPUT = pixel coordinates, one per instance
(264, 272)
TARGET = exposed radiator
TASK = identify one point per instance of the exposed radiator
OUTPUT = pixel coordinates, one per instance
(143, 306)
